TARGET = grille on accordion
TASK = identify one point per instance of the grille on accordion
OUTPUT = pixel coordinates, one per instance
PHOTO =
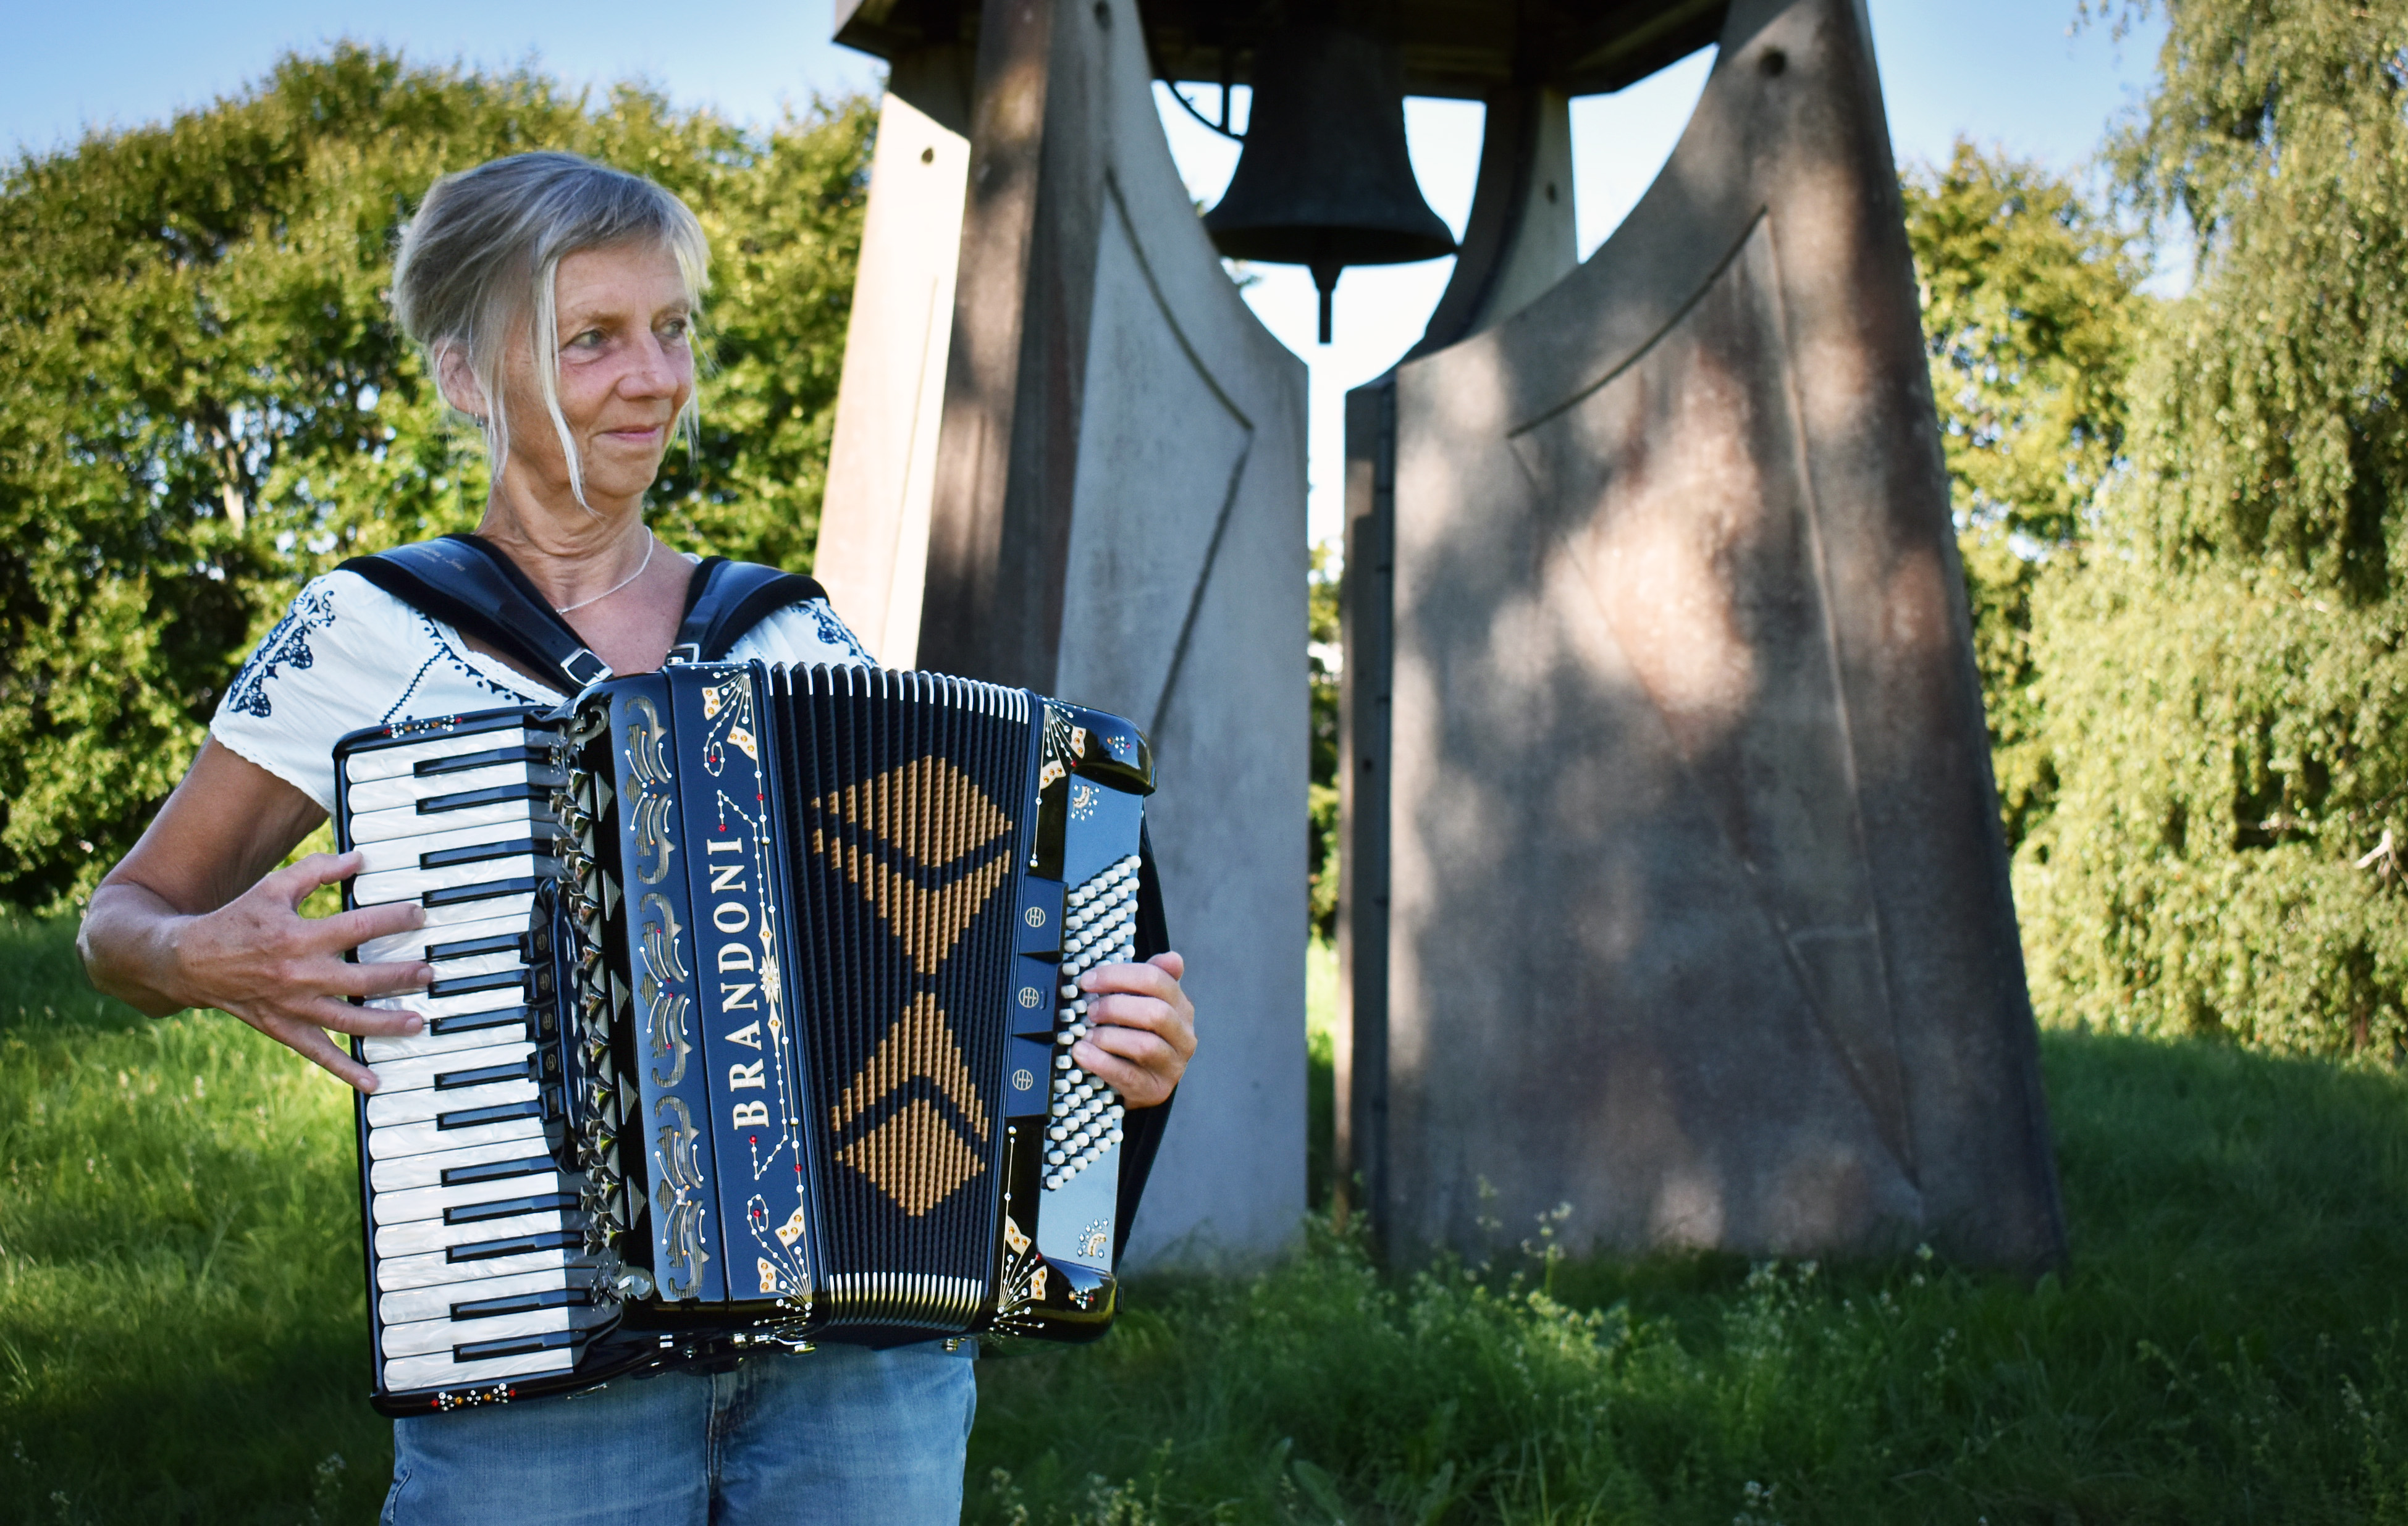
(755, 994)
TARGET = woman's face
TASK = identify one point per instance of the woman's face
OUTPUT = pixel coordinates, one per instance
(626, 369)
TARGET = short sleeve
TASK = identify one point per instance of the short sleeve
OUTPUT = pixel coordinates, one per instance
(805, 632)
(346, 656)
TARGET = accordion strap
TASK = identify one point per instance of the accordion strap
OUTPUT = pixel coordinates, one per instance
(470, 584)
(725, 599)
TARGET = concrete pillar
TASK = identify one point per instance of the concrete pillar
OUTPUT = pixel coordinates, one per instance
(1675, 886)
(1116, 516)
(873, 545)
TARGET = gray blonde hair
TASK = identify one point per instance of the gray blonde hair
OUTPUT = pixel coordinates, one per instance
(482, 259)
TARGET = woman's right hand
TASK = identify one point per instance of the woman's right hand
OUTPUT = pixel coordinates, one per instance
(197, 915)
(284, 974)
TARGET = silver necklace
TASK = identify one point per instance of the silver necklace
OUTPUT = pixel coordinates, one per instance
(654, 544)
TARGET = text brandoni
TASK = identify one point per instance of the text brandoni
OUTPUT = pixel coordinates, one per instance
(735, 961)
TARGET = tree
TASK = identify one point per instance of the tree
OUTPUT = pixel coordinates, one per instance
(1324, 656)
(2224, 681)
(205, 402)
(2029, 308)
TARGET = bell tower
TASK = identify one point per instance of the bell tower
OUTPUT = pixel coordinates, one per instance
(1673, 883)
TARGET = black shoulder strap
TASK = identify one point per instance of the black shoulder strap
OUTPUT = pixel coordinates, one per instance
(727, 599)
(470, 584)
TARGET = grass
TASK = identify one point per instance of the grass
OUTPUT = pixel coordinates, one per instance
(181, 1336)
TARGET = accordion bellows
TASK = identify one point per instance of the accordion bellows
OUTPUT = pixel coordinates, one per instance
(778, 1047)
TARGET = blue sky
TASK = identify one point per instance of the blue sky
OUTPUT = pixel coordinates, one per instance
(2003, 72)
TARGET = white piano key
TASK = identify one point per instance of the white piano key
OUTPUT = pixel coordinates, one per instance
(460, 967)
(386, 1109)
(400, 1274)
(408, 791)
(404, 1173)
(378, 1052)
(431, 1008)
(399, 758)
(421, 1336)
(397, 948)
(404, 1373)
(403, 1140)
(458, 1279)
(463, 913)
(441, 836)
(416, 1203)
(456, 957)
(454, 917)
(405, 820)
(410, 884)
(429, 1236)
(419, 1071)
(435, 1302)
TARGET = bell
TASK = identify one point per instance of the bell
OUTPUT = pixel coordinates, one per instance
(1325, 181)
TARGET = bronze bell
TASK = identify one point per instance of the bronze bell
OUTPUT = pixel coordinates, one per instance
(1325, 181)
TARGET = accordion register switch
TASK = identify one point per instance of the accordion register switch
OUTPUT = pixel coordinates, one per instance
(756, 992)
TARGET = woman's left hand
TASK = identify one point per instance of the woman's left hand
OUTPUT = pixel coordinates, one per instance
(1141, 1028)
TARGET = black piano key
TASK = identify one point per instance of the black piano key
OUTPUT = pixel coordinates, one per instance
(452, 1080)
(446, 857)
(532, 1019)
(468, 1117)
(497, 794)
(469, 1176)
(516, 1346)
(495, 1309)
(500, 943)
(462, 761)
(458, 895)
(517, 1245)
(477, 1213)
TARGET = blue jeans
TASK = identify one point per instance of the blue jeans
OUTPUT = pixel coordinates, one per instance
(841, 1435)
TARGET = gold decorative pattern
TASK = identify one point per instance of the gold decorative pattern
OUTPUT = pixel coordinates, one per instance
(914, 1158)
(920, 1044)
(908, 1161)
(1022, 1280)
(931, 816)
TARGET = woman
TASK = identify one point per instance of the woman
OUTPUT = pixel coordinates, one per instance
(554, 300)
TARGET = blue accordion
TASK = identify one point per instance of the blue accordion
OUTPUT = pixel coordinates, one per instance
(752, 1021)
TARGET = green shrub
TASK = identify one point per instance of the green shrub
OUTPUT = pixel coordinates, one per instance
(2220, 665)
(207, 404)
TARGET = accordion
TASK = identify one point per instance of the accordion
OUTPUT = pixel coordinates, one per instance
(754, 995)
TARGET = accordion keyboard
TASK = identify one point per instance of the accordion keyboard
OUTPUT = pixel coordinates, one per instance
(479, 1269)
(1084, 1115)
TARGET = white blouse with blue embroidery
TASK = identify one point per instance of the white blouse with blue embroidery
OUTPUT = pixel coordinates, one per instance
(348, 655)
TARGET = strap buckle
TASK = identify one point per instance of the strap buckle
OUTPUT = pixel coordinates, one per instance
(583, 668)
